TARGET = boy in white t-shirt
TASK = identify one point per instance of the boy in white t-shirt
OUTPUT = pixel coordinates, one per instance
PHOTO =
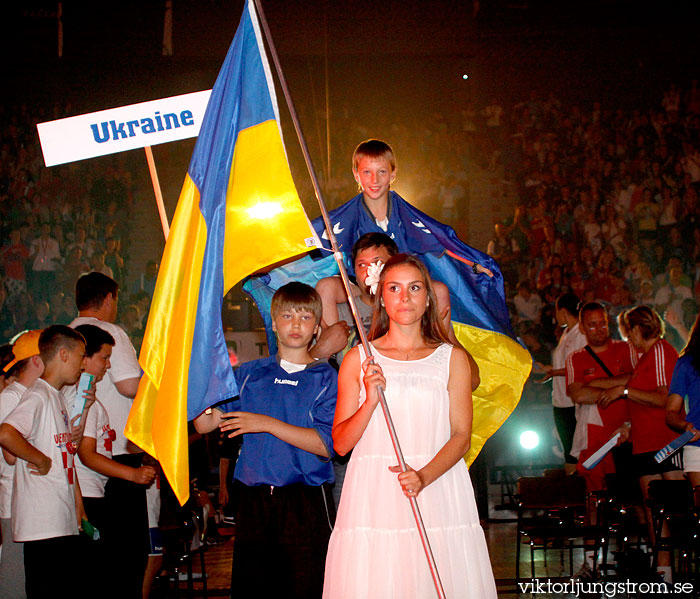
(24, 369)
(47, 506)
(97, 298)
(95, 464)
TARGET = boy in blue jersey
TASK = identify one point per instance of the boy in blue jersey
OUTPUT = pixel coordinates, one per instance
(285, 412)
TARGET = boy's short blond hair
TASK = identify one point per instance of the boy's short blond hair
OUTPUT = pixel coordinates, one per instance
(297, 296)
(374, 148)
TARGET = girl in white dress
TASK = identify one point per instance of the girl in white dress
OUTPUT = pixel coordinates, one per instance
(375, 550)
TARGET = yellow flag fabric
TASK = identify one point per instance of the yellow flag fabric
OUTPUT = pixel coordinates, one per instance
(504, 366)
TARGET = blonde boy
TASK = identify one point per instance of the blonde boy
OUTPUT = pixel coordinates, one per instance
(285, 413)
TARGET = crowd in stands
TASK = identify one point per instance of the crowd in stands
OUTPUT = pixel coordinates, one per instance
(608, 210)
(57, 223)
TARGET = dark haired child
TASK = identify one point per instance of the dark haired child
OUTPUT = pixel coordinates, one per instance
(369, 252)
(95, 464)
(97, 298)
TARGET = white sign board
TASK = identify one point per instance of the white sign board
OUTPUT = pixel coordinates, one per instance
(125, 128)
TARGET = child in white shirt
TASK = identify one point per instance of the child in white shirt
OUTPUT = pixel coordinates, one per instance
(47, 506)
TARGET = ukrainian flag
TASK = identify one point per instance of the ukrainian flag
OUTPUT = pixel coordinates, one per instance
(238, 212)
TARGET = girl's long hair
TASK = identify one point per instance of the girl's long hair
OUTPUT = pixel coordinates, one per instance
(692, 348)
(431, 326)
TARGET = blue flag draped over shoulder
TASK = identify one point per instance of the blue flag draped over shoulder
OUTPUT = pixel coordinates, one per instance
(479, 313)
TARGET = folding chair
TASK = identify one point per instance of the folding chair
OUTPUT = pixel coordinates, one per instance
(550, 514)
(181, 543)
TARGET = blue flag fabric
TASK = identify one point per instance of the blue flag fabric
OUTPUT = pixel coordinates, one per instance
(477, 299)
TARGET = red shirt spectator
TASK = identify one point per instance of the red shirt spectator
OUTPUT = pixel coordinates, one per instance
(14, 256)
(581, 367)
(654, 369)
(595, 424)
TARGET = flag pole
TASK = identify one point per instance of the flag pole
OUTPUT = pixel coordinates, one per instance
(156, 189)
(351, 300)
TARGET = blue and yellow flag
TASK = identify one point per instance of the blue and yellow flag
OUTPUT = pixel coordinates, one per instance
(479, 314)
(238, 212)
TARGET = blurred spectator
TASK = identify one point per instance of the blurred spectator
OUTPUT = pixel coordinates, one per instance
(636, 270)
(646, 213)
(42, 315)
(506, 252)
(143, 303)
(672, 294)
(46, 261)
(130, 321)
(528, 304)
(679, 325)
(114, 260)
(534, 391)
(73, 267)
(87, 246)
(14, 257)
(62, 308)
(97, 263)
(147, 280)
(7, 319)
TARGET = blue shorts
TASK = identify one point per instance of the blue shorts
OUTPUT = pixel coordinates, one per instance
(156, 541)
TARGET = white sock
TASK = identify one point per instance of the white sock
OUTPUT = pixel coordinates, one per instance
(665, 571)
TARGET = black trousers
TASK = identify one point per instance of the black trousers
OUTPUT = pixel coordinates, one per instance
(565, 421)
(96, 569)
(281, 541)
(125, 533)
(52, 568)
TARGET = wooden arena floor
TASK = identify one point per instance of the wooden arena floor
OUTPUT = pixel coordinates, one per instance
(500, 537)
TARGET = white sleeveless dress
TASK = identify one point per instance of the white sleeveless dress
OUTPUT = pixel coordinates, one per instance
(375, 551)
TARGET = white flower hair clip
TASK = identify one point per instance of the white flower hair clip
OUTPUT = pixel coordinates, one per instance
(373, 272)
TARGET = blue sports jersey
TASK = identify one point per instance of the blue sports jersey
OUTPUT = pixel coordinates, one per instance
(306, 399)
(686, 383)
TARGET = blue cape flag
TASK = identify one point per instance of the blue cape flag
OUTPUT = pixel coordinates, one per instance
(477, 299)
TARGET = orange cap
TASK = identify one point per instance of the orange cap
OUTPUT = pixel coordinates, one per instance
(26, 346)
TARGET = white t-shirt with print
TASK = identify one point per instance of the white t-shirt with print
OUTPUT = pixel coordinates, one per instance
(43, 506)
(9, 399)
(124, 365)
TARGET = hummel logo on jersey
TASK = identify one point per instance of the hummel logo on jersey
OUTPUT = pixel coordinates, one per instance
(286, 382)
